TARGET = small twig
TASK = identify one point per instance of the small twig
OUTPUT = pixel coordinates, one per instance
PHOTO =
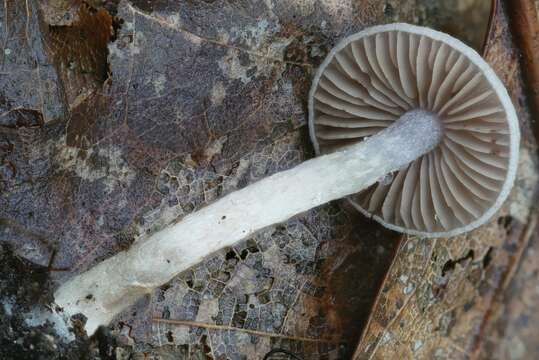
(231, 328)
(524, 240)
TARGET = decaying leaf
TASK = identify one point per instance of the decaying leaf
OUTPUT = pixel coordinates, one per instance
(173, 104)
(440, 299)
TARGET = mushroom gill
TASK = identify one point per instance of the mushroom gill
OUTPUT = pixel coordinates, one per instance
(373, 78)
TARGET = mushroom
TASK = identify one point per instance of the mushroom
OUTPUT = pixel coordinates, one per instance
(375, 77)
(410, 122)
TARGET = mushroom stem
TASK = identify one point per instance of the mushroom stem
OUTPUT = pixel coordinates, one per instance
(111, 286)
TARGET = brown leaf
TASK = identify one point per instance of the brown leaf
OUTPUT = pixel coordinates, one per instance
(170, 105)
(451, 309)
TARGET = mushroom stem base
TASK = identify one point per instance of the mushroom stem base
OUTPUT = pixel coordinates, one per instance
(109, 287)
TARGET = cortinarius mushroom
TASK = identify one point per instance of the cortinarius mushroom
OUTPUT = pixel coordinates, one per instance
(434, 114)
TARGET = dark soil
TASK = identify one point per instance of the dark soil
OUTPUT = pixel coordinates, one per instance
(25, 288)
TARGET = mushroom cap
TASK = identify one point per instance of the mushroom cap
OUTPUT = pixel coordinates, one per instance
(373, 77)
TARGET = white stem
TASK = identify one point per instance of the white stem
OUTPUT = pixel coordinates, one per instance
(111, 286)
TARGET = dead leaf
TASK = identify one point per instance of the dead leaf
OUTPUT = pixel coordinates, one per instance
(449, 311)
(174, 104)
